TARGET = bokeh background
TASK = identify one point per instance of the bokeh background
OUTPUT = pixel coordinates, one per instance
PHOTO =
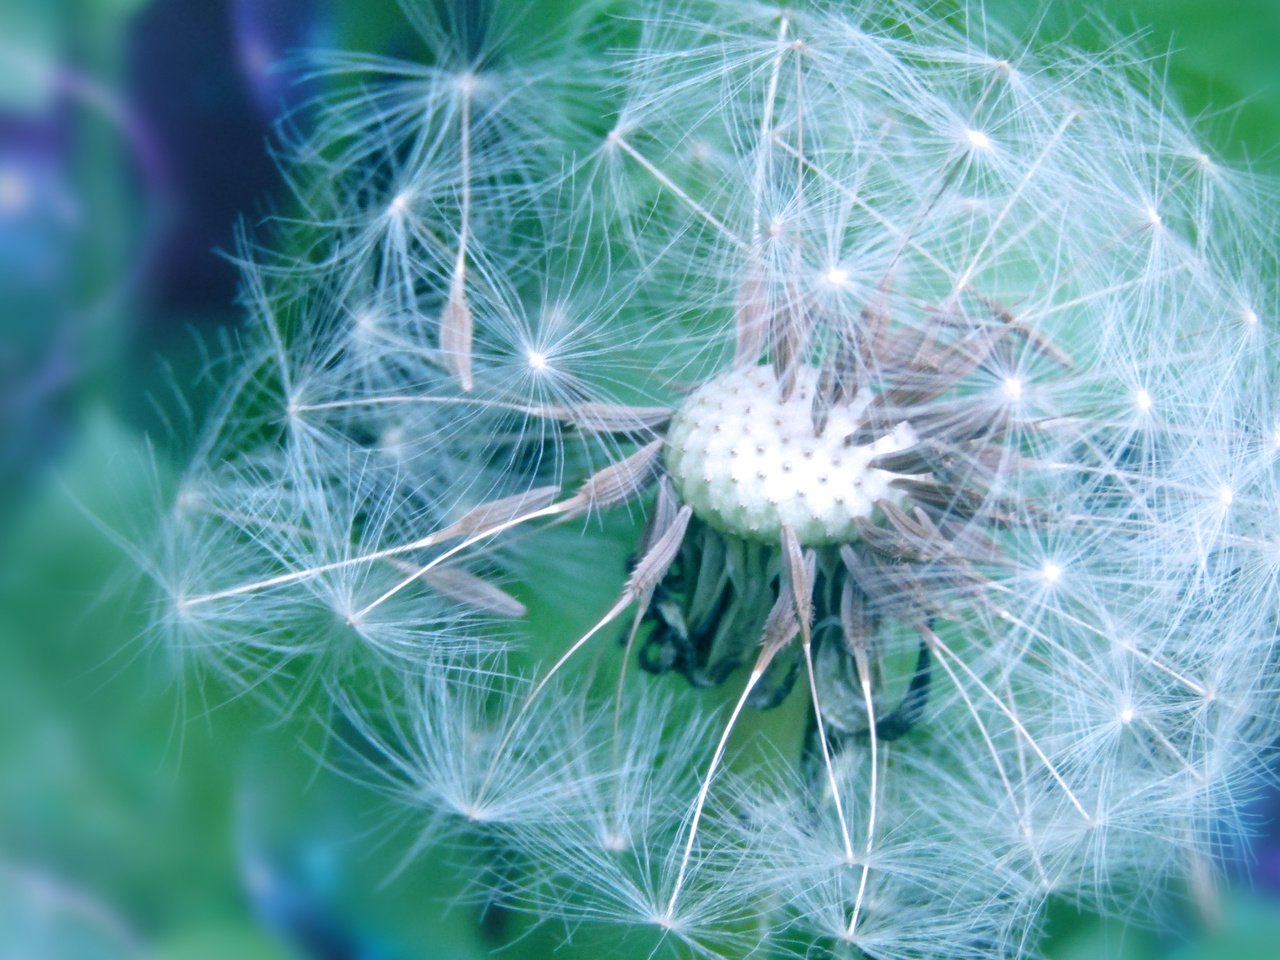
(143, 815)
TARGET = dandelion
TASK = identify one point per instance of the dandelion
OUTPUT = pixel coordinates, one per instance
(924, 361)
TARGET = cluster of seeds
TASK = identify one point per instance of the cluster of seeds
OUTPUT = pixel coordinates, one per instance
(751, 462)
(943, 376)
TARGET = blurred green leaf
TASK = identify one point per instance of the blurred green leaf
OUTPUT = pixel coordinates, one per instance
(1250, 931)
(241, 941)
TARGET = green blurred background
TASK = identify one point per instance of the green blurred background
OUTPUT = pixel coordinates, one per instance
(146, 816)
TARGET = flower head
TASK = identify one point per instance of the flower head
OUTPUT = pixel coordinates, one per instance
(944, 378)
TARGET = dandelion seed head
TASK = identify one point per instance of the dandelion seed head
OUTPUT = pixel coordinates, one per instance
(750, 461)
(781, 333)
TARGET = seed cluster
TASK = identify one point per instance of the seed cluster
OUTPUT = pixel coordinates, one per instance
(749, 461)
(974, 479)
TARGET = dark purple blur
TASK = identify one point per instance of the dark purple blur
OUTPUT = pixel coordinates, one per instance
(116, 194)
(206, 76)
